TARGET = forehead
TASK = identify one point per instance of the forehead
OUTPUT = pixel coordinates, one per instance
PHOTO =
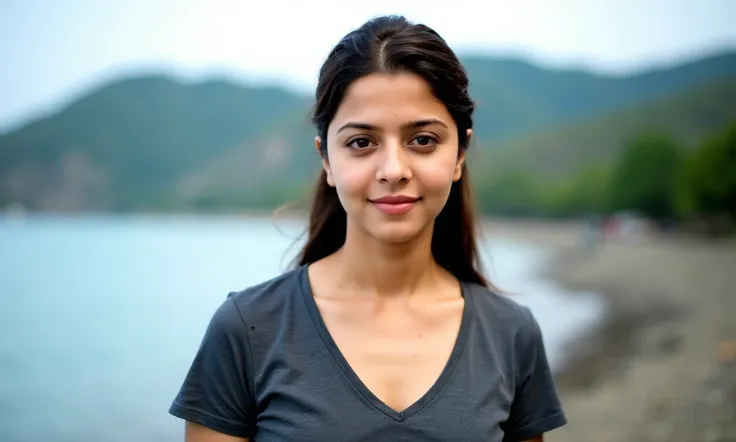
(388, 100)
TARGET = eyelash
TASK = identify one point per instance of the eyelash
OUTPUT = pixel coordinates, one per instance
(434, 141)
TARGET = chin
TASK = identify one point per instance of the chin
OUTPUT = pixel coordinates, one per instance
(397, 233)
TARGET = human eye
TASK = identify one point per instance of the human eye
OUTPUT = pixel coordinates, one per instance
(424, 141)
(359, 143)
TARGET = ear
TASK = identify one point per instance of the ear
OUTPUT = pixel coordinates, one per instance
(325, 162)
(461, 158)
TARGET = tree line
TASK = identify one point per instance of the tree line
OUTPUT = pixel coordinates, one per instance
(653, 176)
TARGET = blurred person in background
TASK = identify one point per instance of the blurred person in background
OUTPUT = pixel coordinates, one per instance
(385, 329)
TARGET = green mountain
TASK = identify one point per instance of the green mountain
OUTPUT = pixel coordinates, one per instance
(123, 146)
(155, 142)
(688, 116)
(515, 96)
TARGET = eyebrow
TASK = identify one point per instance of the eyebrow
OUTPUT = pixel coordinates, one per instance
(410, 125)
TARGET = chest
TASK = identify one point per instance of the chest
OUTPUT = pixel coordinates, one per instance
(316, 397)
(374, 376)
(398, 354)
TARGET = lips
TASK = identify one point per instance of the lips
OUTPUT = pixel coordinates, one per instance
(395, 204)
(395, 199)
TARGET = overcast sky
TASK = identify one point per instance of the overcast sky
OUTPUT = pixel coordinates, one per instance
(54, 50)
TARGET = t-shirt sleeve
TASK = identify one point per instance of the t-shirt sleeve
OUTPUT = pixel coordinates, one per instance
(536, 408)
(218, 389)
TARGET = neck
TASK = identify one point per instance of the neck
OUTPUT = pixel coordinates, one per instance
(383, 269)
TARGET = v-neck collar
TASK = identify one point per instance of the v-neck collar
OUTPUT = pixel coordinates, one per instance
(353, 378)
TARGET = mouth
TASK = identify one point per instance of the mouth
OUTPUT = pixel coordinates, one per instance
(395, 204)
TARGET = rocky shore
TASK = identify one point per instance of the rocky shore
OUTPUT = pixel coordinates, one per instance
(662, 365)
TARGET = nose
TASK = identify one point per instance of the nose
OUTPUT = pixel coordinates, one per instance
(393, 163)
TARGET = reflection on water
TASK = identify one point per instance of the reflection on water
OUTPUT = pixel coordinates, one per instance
(101, 315)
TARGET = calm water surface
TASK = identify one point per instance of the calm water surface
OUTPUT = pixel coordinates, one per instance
(100, 316)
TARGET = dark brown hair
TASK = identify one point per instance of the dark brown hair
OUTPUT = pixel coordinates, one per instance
(391, 44)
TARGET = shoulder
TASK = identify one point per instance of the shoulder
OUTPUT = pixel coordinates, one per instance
(254, 304)
(506, 322)
(501, 309)
(266, 298)
(512, 327)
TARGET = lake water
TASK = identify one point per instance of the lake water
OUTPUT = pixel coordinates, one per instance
(100, 315)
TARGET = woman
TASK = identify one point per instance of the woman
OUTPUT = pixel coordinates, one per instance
(386, 330)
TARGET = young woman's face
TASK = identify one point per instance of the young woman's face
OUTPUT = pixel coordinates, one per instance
(392, 155)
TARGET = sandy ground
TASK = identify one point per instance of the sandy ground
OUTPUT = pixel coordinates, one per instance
(662, 366)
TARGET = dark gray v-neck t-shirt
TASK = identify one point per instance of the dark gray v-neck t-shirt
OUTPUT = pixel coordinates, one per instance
(268, 370)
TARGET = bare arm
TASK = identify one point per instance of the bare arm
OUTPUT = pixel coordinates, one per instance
(194, 432)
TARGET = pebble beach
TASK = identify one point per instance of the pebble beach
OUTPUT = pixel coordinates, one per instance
(661, 364)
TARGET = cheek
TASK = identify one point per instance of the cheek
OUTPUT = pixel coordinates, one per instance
(437, 175)
(351, 178)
